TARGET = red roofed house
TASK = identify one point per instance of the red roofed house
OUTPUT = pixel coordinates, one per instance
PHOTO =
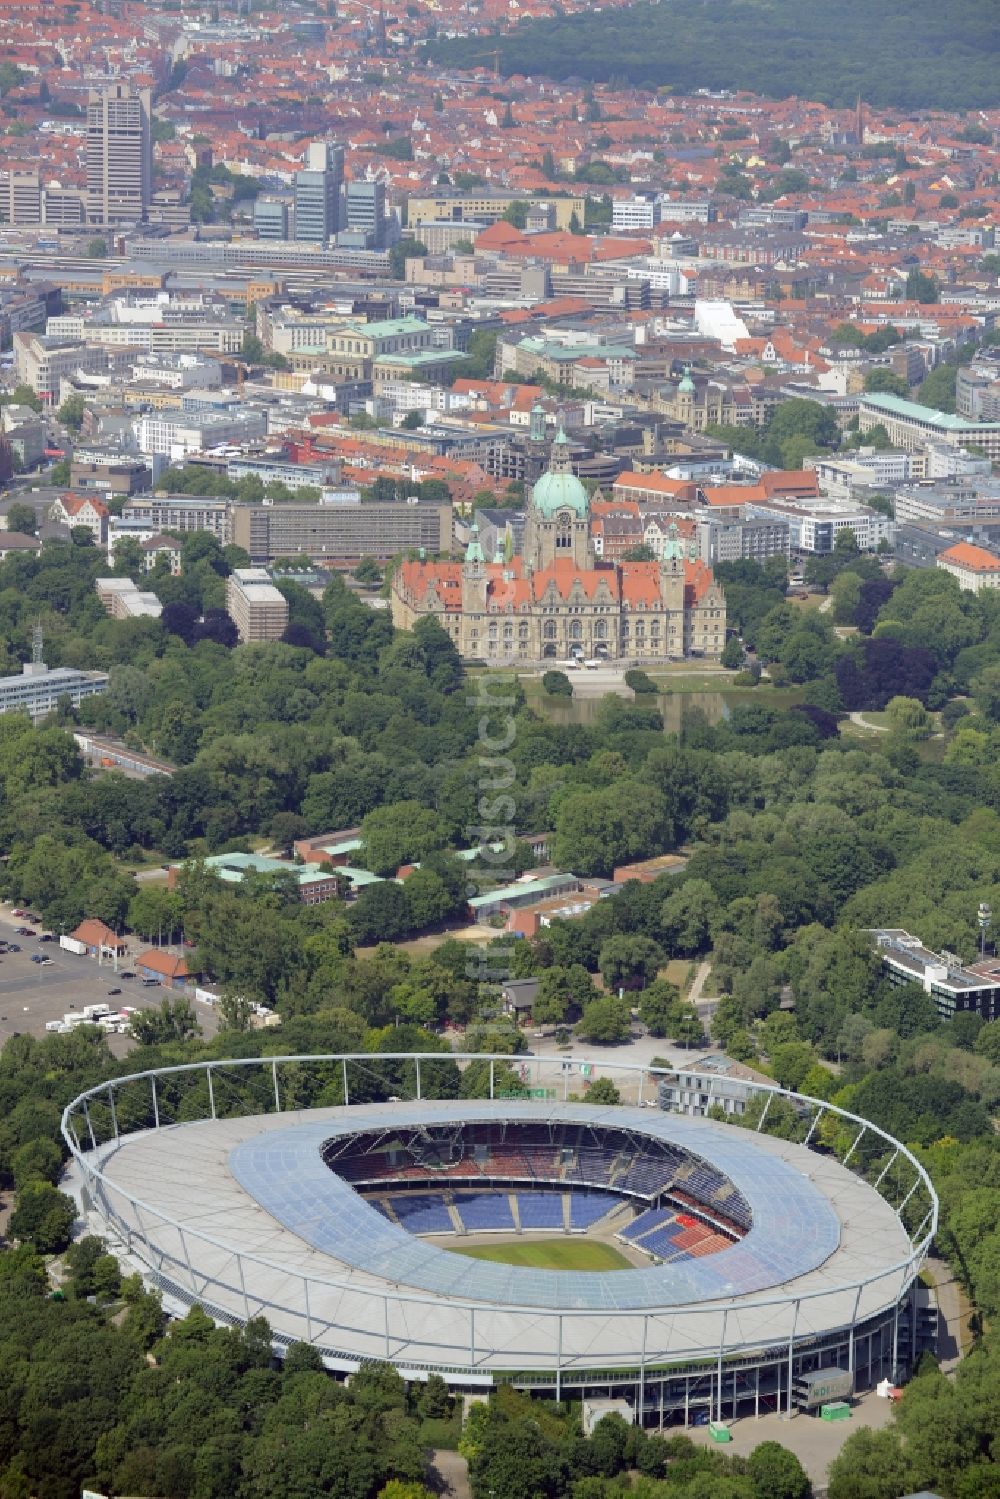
(973, 566)
(160, 964)
(98, 938)
(83, 510)
(557, 600)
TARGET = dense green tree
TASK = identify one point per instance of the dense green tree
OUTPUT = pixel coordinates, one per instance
(605, 1021)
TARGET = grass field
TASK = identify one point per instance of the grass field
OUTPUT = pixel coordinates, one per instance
(551, 1254)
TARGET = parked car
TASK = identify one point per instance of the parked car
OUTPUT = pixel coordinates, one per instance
(36, 957)
(26, 931)
(30, 916)
(13, 947)
(114, 991)
(126, 974)
(46, 937)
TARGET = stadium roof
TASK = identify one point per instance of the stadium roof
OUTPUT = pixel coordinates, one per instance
(794, 1227)
(174, 1191)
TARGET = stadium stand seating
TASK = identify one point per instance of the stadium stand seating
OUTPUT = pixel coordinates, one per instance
(540, 1209)
(565, 1161)
(484, 1210)
(585, 1208)
(423, 1213)
(646, 1222)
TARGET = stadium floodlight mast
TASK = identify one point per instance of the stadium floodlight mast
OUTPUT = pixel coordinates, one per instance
(985, 919)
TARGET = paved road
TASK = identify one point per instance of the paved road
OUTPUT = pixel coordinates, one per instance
(955, 1336)
(862, 723)
(452, 1473)
(706, 1005)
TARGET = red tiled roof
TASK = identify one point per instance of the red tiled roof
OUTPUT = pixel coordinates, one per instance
(974, 559)
(158, 960)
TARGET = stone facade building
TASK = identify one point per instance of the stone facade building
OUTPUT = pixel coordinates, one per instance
(556, 600)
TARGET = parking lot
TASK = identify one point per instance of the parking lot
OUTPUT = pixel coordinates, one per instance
(33, 993)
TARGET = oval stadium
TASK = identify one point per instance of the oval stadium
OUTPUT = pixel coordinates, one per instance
(692, 1268)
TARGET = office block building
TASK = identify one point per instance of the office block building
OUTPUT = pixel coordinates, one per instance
(38, 690)
(270, 218)
(366, 211)
(119, 155)
(178, 512)
(317, 193)
(257, 609)
(347, 530)
(20, 197)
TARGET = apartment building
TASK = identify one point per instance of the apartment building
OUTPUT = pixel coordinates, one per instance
(20, 197)
(344, 530)
(257, 609)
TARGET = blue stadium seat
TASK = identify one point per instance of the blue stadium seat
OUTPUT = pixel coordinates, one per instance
(540, 1209)
(647, 1221)
(585, 1208)
(423, 1213)
(484, 1210)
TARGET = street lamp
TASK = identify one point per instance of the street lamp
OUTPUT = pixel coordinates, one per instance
(985, 919)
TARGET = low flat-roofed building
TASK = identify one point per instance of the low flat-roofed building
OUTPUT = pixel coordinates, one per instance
(38, 690)
(525, 892)
(648, 870)
(954, 987)
(684, 1091)
(16, 542)
(123, 600)
(315, 884)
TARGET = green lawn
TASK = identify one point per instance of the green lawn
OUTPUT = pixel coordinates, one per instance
(551, 1254)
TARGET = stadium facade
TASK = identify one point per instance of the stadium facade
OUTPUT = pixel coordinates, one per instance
(755, 1261)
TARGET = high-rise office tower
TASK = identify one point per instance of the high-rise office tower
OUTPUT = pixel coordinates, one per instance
(270, 218)
(317, 193)
(20, 197)
(366, 211)
(119, 155)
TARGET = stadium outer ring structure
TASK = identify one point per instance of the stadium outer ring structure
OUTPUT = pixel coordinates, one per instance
(726, 1356)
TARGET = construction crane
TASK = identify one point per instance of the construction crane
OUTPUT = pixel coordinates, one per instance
(495, 54)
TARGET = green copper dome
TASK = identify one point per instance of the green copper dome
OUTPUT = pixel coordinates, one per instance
(686, 386)
(559, 492)
(559, 489)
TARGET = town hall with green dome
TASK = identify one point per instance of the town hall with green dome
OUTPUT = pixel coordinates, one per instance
(557, 599)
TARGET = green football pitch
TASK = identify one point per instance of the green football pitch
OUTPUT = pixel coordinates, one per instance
(551, 1254)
